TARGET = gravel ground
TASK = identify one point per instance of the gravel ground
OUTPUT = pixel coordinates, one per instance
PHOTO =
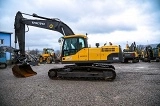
(136, 84)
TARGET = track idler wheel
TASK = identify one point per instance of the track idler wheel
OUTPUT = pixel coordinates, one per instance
(109, 75)
(52, 74)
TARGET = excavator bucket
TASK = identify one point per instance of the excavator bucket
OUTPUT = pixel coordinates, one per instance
(22, 71)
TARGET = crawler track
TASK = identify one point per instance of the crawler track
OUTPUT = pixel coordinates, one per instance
(105, 71)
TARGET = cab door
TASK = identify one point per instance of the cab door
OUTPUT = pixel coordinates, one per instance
(69, 50)
(82, 50)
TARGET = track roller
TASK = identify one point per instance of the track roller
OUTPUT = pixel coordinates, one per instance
(109, 75)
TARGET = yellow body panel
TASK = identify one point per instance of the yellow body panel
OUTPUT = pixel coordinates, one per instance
(106, 50)
(83, 54)
(90, 54)
(94, 53)
(45, 55)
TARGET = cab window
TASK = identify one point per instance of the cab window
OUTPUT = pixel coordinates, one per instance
(81, 43)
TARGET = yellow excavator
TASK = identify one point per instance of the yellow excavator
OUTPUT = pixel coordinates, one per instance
(86, 61)
(47, 56)
(150, 53)
(130, 53)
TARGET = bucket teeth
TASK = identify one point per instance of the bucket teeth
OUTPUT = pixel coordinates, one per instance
(23, 71)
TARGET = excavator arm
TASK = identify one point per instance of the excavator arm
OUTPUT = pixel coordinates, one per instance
(45, 23)
(23, 69)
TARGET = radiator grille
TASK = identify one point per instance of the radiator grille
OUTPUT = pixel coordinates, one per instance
(108, 49)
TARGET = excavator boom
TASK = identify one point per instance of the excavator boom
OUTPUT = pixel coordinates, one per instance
(47, 23)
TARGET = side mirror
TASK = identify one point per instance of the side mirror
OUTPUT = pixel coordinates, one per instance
(60, 40)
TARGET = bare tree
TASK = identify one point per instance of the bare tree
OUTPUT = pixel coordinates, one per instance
(34, 52)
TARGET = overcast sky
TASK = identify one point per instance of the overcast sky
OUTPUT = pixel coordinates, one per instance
(116, 21)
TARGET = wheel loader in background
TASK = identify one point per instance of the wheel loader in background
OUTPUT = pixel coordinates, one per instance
(47, 56)
(130, 53)
(86, 61)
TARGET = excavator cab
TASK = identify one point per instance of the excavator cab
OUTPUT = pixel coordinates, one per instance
(72, 44)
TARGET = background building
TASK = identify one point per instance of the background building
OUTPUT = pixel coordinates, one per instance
(5, 40)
